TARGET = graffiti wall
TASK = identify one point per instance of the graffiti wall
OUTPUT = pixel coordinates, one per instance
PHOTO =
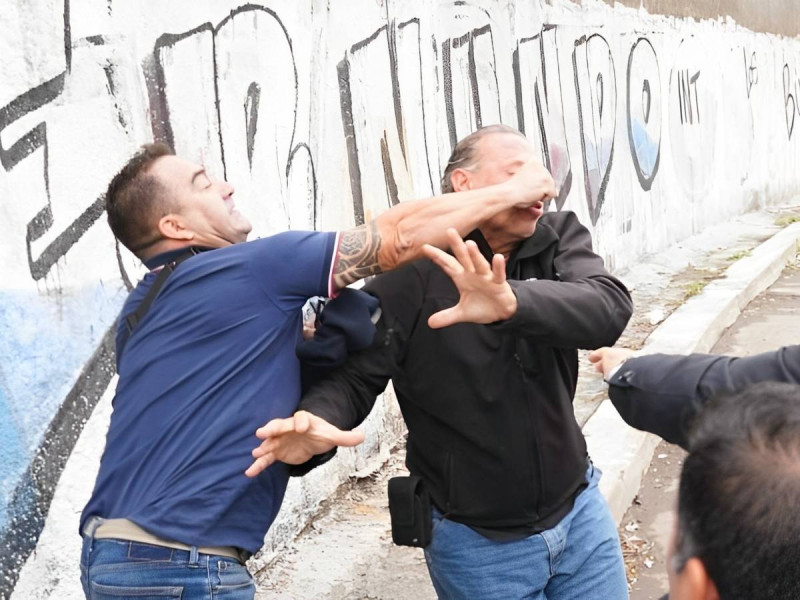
(322, 115)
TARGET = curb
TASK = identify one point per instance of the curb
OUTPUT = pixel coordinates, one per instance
(624, 453)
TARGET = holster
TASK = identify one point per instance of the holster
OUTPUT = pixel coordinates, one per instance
(410, 509)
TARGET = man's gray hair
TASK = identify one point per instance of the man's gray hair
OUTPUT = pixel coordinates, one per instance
(464, 155)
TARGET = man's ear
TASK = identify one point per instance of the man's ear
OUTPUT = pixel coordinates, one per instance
(695, 582)
(172, 227)
(460, 179)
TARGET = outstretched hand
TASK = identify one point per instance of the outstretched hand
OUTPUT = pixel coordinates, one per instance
(605, 359)
(296, 439)
(485, 295)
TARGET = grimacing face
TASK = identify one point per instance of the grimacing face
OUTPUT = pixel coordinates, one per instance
(499, 156)
(206, 205)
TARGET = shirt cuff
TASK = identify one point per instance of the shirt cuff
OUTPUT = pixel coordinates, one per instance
(615, 370)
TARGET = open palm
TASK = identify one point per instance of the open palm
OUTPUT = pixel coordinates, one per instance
(484, 293)
(296, 439)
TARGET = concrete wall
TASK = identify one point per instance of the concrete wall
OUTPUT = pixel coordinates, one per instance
(323, 114)
(768, 16)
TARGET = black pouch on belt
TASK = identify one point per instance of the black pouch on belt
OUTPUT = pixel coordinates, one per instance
(410, 508)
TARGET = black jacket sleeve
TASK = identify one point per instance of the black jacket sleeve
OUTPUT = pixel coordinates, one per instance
(662, 393)
(586, 308)
(346, 397)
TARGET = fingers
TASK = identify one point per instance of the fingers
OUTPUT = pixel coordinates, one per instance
(596, 358)
(480, 266)
(276, 427)
(597, 355)
(466, 256)
(446, 263)
(498, 268)
(259, 465)
(460, 250)
(605, 359)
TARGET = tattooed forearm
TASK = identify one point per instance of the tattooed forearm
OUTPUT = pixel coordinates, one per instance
(357, 255)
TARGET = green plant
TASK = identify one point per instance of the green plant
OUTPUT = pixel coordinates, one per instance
(738, 255)
(694, 288)
(786, 220)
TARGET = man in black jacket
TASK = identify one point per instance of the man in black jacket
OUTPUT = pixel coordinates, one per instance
(662, 393)
(492, 433)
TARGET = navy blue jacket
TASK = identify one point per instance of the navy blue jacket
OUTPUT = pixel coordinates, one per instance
(662, 393)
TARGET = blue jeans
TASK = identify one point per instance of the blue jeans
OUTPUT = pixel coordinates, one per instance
(578, 559)
(116, 569)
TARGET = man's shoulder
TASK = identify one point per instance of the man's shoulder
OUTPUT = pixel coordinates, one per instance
(565, 224)
(291, 239)
(284, 249)
(560, 219)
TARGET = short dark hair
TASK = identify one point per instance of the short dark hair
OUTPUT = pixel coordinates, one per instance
(135, 200)
(464, 157)
(740, 494)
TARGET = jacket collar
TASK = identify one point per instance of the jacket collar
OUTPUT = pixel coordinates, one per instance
(542, 237)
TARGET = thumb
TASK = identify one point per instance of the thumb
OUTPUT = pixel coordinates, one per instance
(444, 318)
(349, 438)
(302, 421)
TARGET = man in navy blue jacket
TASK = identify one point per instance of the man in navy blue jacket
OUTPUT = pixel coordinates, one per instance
(662, 393)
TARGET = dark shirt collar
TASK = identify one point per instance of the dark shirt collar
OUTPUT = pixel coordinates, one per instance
(159, 260)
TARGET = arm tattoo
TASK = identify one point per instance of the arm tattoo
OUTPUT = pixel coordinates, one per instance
(357, 254)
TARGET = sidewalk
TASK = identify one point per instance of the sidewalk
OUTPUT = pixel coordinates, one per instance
(684, 299)
(768, 322)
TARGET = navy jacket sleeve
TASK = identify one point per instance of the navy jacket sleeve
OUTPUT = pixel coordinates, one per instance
(661, 393)
(586, 307)
(346, 397)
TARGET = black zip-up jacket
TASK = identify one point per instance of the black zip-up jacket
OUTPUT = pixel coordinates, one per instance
(491, 427)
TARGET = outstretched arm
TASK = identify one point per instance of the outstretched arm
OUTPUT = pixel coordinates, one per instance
(334, 406)
(583, 306)
(396, 237)
(326, 413)
(587, 307)
(607, 360)
(661, 393)
(341, 401)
